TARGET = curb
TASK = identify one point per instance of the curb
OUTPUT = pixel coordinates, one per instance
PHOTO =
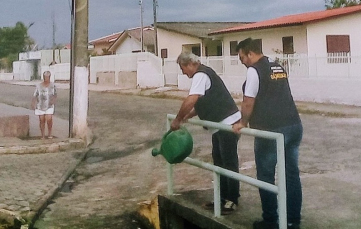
(44, 201)
(35, 148)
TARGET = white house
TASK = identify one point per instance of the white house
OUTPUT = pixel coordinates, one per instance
(175, 37)
(130, 41)
(321, 50)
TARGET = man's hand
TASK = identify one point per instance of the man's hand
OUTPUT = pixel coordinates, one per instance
(238, 126)
(175, 124)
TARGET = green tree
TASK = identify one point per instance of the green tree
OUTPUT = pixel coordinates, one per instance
(332, 4)
(13, 40)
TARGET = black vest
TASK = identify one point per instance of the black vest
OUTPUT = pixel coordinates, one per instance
(274, 106)
(217, 103)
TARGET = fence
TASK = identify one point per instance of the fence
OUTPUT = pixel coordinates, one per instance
(279, 189)
(332, 65)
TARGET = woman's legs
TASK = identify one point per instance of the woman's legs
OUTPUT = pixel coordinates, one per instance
(42, 125)
(49, 121)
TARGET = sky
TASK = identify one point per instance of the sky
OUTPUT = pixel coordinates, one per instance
(111, 16)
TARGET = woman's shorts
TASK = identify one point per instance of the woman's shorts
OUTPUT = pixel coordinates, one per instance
(41, 112)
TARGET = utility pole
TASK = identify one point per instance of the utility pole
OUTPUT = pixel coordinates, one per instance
(53, 19)
(78, 127)
(141, 24)
(155, 4)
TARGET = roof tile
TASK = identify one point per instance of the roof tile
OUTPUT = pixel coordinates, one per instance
(296, 19)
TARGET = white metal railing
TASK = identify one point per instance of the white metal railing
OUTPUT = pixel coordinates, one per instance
(279, 189)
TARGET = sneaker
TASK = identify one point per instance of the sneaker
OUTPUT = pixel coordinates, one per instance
(265, 225)
(228, 207)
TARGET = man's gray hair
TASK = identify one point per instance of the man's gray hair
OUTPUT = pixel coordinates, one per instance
(186, 58)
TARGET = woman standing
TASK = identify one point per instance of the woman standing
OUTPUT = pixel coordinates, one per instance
(43, 102)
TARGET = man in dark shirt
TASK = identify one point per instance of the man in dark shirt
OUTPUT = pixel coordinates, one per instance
(210, 100)
(268, 105)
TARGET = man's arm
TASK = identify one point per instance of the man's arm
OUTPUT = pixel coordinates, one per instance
(246, 111)
(184, 111)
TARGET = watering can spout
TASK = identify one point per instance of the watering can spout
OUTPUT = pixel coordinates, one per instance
(176, 146)
(155, 152)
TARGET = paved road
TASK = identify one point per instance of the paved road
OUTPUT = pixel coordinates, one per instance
(119, 173)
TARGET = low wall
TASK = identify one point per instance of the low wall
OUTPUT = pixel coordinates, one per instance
(325, 90)
(6, 76)
(127, 80)
(14, 126)
(106, 78)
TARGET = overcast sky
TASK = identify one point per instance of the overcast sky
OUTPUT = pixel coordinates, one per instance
(111, 16)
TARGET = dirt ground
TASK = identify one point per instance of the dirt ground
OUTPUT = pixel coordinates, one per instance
(119, 174)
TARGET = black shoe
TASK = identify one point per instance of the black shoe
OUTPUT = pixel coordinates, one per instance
(265, 225)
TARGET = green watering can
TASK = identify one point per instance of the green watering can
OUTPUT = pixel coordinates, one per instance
(176, 145)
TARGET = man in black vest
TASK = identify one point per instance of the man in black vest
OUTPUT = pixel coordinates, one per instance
(210, 100)
(268, 105)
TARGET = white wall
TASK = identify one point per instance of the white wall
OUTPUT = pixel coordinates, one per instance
(60, 57)
(58, 71)
(6, 76)
(173, 42)
(149, 71)
(323, 90)
(116, 63)
(317, 45)
(346, 25)
(23, 70)
(271, 39)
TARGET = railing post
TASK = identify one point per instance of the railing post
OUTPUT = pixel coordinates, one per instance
(217, 194)
(170, 179)
(169, 168)
(282, 204)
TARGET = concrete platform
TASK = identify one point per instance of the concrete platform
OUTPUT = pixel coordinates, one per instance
(184, 210)
(14, 126)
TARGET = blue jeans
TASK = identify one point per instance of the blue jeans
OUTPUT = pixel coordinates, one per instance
(266, 159)
(225, 155)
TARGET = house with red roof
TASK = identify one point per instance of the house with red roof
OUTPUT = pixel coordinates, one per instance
(320, 50)
(313, 33)
(101, 45)
(130, 41)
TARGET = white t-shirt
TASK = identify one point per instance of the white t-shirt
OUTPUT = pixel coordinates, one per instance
(252, 83)
(200, 83)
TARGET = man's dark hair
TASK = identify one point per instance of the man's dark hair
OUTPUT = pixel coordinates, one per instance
(248, 45)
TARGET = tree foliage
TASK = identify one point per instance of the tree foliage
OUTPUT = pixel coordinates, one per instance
(332, 4)
(13, 40)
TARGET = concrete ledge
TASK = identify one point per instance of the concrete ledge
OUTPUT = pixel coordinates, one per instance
(42, 146)
(174, 213)
(14, 126)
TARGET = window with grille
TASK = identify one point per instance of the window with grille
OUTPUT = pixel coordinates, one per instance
(338, 48)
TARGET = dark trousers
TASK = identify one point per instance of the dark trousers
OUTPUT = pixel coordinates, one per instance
(225, 155)
(266, 160)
